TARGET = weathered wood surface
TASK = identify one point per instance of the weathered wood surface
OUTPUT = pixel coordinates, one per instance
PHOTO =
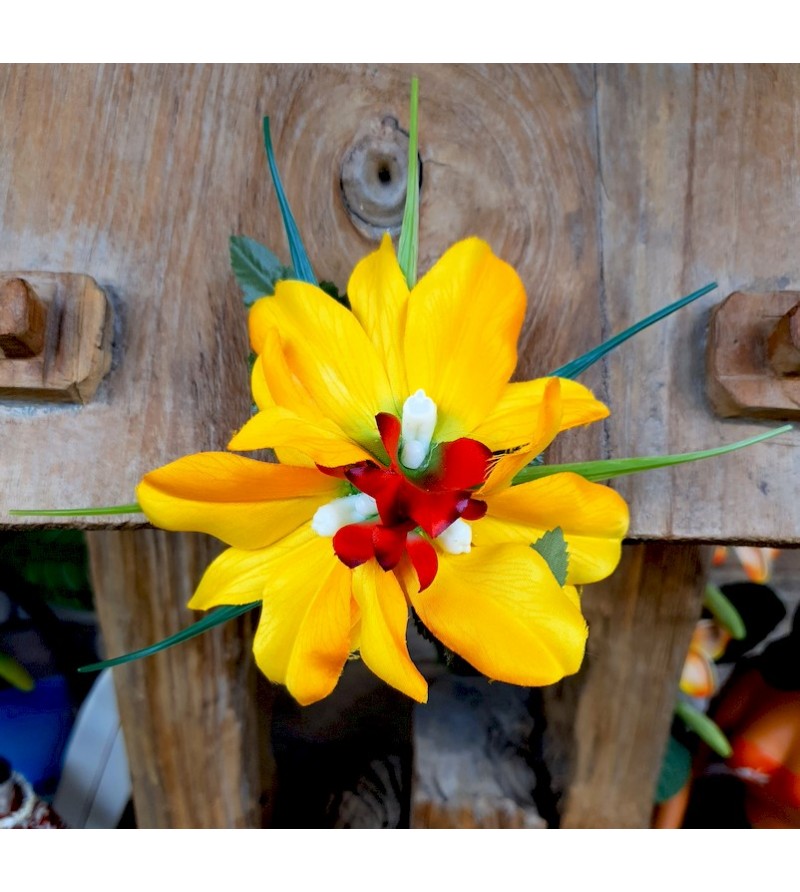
(138, 175)
(699, 182)
(197, 744)
(612, 190)
(640, 621)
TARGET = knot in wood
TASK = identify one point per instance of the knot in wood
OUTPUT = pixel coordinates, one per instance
(22, 320)
(373, 180)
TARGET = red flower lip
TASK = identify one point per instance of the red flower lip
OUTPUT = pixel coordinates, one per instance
(440, 495)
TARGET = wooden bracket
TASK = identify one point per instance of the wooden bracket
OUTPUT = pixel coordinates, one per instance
(55, 337)
(753, 356)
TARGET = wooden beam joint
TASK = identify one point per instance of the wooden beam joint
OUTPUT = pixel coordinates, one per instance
(55, 337)
(753, 356)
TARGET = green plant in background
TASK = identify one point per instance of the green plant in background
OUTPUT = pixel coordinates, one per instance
(699, 679)
(41, 569)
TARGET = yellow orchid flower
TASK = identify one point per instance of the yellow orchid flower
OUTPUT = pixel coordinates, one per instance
(398, 435)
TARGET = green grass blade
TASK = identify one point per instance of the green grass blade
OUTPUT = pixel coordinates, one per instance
(75, 512)
(408, 246)
(578, 366)
(706, 729)
(606, 469)
(724, 612)
(300, 261)
(15, 674)
(215, 618)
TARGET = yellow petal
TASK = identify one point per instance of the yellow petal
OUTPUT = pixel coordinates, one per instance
(509, 424)
(303, 636)
(378, 294)
(501, 609)
(237, 576)
(285, 388)
(710, 639)
(277, 428)
(594, 520)
(330, 354)
(757, 562)
(258, 384)
(542, 429)
(699, 677)
(462, 325)
(384, 617)
(246, 503)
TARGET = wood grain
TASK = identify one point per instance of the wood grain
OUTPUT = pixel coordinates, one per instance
(700, 182)
(196, 741)
(137, 175)
(640, 622)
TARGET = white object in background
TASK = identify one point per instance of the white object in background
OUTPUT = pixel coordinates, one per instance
(95, 784)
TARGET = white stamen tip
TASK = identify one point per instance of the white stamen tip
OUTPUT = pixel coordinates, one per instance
(457, 538)
(417, 427)
(330, 518)
(412, 454)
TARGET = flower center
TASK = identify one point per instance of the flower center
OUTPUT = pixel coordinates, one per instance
(457, 538)
(330, 518)
(392, 515)
(416, 429)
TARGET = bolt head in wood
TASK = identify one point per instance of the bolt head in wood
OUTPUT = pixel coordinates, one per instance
(783, 346)
(22, 320)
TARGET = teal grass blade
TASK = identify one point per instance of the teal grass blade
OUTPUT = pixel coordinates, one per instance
(76, 512)
(706, 729)
(408, 246)
(578, 366)
(215, 618)
(606, 469)
(300, 261)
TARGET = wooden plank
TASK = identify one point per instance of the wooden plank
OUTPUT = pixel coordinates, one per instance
(700, 182)
(137, 175)
(196, 742)
(640, 621)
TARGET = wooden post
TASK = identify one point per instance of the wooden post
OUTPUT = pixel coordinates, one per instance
(640, 621)
(192, 734)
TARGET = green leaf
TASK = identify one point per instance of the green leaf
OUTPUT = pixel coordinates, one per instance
(256, 268)
(553, 548)
(15, 674)
(724, 612)
(76, 512)
(675, 770)
(300, 261)
(408, 246)
(706, 729)
(578, 366)
(215, 618)
(332, 290)
(606, 469)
